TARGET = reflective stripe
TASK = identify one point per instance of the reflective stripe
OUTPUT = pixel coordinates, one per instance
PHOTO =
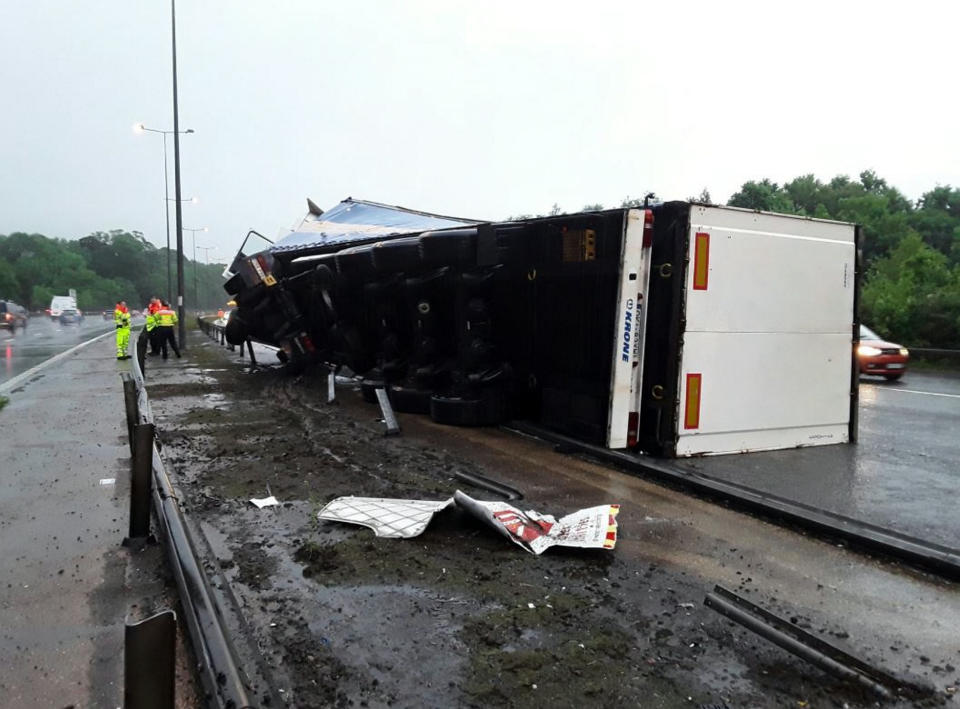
(166, 318)
(691, 414)
(701, 261)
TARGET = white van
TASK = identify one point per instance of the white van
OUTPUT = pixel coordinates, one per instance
(61, 303)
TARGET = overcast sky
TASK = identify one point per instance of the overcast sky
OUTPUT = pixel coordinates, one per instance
(477, 109)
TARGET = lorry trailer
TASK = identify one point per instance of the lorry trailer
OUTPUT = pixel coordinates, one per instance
(675, 330)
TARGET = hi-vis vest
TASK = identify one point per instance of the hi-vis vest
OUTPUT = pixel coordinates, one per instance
(121, 318)
(166, 317)
(151, 321)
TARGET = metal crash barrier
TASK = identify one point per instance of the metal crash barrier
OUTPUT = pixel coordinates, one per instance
(220, 676)
(217, 332)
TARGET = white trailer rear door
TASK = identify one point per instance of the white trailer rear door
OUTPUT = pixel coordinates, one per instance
(766, 353)
(623, 418)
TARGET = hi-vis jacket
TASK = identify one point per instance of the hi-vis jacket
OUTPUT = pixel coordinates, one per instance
(121, 318)
(165, 317)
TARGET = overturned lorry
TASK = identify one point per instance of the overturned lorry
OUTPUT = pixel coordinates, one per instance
(675, 330)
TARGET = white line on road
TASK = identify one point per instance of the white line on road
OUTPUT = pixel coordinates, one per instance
(23, 376)
(914, 391)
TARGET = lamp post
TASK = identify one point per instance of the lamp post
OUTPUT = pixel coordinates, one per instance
(140, 128)
(176, 178)
(196, 287)
(206, 253)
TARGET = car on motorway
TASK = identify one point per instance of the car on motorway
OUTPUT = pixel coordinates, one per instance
(880, 357)
(70, 317)
(12, 315)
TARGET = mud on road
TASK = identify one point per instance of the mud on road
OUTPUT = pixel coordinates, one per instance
(458, 616)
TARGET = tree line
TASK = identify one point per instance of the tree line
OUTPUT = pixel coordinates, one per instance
(103, 267)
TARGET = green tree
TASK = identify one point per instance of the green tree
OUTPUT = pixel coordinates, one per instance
(913, 295)
(9, 285)
(763, 195)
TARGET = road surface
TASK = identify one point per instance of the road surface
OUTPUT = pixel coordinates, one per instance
(68, 584)
(903, 474)
(43, 339)
(460, 617)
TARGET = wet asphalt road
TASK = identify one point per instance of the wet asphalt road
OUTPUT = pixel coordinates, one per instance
(903, 474)
(67, 583)
(378, 621)
(43, 339)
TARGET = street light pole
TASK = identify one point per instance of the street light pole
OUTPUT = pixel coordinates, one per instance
(140, 128)
(166, 212)
(176, 178)
(196, 286)
(206, 253)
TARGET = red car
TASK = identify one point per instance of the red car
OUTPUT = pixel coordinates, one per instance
(877, 356)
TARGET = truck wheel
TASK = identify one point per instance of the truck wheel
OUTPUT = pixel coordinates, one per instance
(397, 255)
(356, 261)
(410, 399)
(487, 408)
(236, 329)
(449, 248)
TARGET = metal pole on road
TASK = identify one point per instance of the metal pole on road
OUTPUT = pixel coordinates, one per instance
(206, 258)
(182, 335)
(196, 286)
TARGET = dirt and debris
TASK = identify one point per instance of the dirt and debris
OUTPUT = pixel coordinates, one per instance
(456, 618)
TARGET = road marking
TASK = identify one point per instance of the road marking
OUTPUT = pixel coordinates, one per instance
(23, 376)
(914, 391)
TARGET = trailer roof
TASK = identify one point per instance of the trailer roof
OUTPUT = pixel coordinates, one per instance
(802, 217)
(355, 220)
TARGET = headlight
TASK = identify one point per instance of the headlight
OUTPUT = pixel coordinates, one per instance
(904, 351)
(868, 351)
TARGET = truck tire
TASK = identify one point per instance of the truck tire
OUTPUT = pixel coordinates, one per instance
(410, 399)
(487, 408)
(236, 329)
(356, 262)
(398, 255)
(449, 248)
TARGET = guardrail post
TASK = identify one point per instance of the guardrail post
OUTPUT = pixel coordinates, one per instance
(142, 349)
(332, 386)
(130, 404)
(141, 473)
(149, 662)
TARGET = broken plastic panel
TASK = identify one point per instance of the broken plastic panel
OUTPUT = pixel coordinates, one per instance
(591, 528)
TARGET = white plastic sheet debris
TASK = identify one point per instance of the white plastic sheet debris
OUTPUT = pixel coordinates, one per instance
(262, 502)
(592, 528)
